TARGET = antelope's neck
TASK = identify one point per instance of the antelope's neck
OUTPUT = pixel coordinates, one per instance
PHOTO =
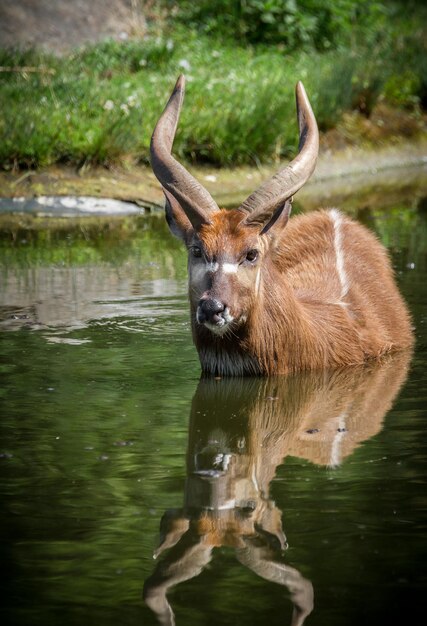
(226, 356)
(279, 323)
(260, 346)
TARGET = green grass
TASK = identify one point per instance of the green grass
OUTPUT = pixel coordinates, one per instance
(100, 104)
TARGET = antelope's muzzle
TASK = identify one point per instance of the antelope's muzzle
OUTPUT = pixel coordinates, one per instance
(214, 314)
(210, 310)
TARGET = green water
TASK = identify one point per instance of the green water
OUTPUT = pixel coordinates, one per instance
(308, 491)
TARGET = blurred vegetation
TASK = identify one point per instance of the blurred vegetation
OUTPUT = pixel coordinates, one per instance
(292, 24)
(99, 105)
(145, 243)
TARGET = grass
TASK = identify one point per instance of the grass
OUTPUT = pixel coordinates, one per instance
(99, 105)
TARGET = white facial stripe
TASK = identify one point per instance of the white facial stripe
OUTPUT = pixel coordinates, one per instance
(229, 268)
(212, 267)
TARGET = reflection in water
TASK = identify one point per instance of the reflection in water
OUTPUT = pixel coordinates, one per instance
(240, 431)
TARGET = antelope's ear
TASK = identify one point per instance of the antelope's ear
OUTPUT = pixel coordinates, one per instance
(177, 220)
(279, 218)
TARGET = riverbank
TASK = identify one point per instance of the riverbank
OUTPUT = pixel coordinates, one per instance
(335, 172)
(98, 105)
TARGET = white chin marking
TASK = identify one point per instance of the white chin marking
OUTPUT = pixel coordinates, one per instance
(217, 329)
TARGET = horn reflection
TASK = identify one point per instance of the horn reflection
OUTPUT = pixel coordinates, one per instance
(240, 430)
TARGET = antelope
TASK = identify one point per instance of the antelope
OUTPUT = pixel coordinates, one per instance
(265, 299)
(240, 430)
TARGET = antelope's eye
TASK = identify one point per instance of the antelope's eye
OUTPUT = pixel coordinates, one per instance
(252, 255)
(196, 251)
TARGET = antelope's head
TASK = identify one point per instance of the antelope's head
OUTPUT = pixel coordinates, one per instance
(227, 249)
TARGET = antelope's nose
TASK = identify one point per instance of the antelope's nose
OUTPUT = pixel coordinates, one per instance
(210, 310)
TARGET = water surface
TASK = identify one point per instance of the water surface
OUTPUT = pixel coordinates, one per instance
(264, 501)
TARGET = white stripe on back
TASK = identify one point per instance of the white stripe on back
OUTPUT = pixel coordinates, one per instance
(339, 252)
(335, 458)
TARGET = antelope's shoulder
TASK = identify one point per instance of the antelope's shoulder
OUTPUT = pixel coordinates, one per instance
(311, 234)
(307, 236)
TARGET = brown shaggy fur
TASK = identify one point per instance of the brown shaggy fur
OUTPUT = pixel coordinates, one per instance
(325, 297)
